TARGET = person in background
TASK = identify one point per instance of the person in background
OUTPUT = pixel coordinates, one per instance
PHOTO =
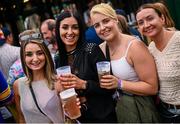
(165, 48)
(91, 36)
(132, 30)
(169, 23)
(8, 36)
(15, 72)
(8, 55)
(33, 21)
(90, 33)
(128, 59)
(97, 103)
(48, 32)
(36, 99)
(6, 96)
(123, 25)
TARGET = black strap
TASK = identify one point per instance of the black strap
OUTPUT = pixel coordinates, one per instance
(34, 98)
(108, 57)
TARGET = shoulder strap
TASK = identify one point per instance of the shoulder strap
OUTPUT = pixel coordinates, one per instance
(128, 48)
(34, 98)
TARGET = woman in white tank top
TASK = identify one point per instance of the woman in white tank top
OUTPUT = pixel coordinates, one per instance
(35, 96)
(133, 68)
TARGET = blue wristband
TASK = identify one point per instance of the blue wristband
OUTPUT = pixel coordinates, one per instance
(119, 84)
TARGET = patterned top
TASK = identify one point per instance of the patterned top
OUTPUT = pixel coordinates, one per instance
(168, 67)
(15, 72)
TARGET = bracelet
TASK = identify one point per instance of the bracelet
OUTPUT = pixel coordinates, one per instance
(119, 84)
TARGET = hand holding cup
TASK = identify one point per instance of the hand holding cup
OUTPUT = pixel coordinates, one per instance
(70, 104)
(103, 68)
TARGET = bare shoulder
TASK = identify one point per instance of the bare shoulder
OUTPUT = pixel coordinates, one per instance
(138, 46)
(16, 86)
(138, 50)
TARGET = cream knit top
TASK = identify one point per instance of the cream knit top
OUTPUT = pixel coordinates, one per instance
(168, 68)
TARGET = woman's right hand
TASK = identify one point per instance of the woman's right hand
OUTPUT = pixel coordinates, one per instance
(109, 82)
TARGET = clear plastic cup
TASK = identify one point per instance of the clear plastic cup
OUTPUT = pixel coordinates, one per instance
(103, 68)
(63, 70)
(69, 102)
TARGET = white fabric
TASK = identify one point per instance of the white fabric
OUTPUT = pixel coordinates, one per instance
(122, 69)
(47, 100)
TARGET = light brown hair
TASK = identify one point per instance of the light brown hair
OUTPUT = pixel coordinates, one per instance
(49, 69)
(164, 10)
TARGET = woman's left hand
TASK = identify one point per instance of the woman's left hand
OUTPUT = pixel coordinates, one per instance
(109, 82)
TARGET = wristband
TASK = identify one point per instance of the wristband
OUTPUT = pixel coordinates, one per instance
(119, 84)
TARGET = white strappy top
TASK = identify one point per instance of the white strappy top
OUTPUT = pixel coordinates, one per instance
(122, 69)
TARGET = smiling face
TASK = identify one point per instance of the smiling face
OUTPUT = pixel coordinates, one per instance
(34, 57)
(149, 22)
(69, 32)
(105, 26)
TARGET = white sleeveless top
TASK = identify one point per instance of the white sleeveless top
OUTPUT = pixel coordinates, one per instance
(122, 69)
(47, 100)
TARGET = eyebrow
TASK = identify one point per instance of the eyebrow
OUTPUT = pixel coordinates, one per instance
(69, 24)
(35, 51)
(103, 19)
(145, 17)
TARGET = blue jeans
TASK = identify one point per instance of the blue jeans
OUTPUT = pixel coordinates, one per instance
(168, 114)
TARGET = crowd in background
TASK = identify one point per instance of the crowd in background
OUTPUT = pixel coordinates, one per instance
(142, 87)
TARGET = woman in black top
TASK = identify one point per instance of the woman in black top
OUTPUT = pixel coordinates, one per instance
(97, 103)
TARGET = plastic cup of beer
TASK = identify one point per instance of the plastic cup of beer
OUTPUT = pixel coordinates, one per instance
(69, 102)
(103, 68)
(63, 70)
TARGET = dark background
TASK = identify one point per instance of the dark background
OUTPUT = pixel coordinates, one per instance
(13, 12)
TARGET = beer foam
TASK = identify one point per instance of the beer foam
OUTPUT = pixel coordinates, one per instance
(103, 66)
(67, 93)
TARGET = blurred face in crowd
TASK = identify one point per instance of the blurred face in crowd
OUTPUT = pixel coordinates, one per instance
(149, 22)
(34, 57)
(105, 26)
(69, 32)
(9, 39)
(47, 34)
